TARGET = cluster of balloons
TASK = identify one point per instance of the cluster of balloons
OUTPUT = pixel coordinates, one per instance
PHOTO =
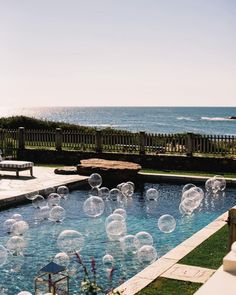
(101, 198)
(49, 208)
(191, 199)
(215, 184)
(16, 227)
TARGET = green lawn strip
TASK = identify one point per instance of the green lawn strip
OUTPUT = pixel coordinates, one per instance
(49, 165)
(210, 253)
(163, 286)
(189, 173)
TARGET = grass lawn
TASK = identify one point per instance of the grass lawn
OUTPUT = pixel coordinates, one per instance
(194, 173)
(209, 254)
(163, 286)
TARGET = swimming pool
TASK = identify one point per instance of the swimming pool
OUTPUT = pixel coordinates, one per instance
(19, 272)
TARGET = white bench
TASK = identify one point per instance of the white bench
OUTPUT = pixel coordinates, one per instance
(17, 166)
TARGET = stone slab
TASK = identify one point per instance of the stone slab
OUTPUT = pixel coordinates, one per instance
(188, 273)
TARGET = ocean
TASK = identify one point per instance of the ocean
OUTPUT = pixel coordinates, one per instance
(201, 120)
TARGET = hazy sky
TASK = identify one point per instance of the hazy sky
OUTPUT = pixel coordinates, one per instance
(123, 52)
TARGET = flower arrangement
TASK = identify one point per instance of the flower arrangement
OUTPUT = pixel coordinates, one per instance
(89, 285)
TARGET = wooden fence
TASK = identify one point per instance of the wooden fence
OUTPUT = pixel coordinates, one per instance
(116, 142)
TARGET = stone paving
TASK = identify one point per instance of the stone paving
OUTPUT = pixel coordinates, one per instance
(13, 189)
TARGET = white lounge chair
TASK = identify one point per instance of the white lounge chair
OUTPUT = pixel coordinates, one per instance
(17, 166)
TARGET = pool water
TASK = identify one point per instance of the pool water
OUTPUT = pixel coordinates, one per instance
(19, 271)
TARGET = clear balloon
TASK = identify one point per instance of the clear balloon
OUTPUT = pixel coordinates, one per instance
(127, 189)
(144, 238)
(16, 245)
(220, 182)
(94, 206)
(62, 259)
(147, 254)
(115, 230)
(114, 194)
(49, 190)
(54, 199)
(185, 210)
(119, 186)
(8, 224)
(114, 217)
(129, 244)
(166, 223)
(130, 182)
(38, 202)
(57, 214)
(44, 212)
(152, 194)
(192, 198)
(187, 187)
(121, 212)
(30, 196)
(104, 192)
(17, 217)
(3, 255)
(95, 191)
(95, 180)
(108, 261)
(63, 191)
(19, 228)
(70, 241)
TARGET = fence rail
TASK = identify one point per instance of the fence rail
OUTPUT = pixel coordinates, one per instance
(116, 142)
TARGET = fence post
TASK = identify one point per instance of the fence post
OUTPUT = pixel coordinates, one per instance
(232, 226)
(142, 137)
(98, 141)
(21, 138)
(189, 144)
(58, 139)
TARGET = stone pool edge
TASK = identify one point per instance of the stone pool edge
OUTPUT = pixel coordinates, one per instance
(156, 269)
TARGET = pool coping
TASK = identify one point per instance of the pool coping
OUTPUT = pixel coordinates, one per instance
(179, 178)
(156, 269)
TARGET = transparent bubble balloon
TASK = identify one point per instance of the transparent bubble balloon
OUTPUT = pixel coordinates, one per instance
(131, 183)
(63, 191)
(144, 238)
(17, 217)
(30, 196)
(212, 185)
(108, 261)
(70, 241)
(127, 189)
(94, 206)
(49, 190)
(62, 259)
(220, 182)
(16, 245)
(57, 214)
(8, 224)
(115, 230)
(104, 192)
(26, 293)
(95, 180)
(166, 223)
(121, 212)
(44, 212)
(152, 194)
(129, 244)
(3, 255)
(38, 202)
(19, 228)
(192, 198)
(54, 199)
(187, 187)
(119, 186)
(147, 254)
(114, 194)
(185, 210)
(114, 217)
(121, 200)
